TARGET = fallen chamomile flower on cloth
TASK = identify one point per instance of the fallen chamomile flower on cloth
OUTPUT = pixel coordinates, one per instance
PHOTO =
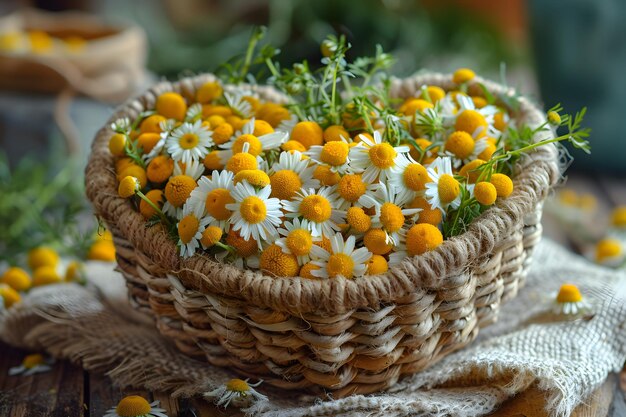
(239, 392)
(569, 301)
(32, 364)
(136, 406)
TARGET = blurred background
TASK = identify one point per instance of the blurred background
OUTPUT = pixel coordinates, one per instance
(54, 98)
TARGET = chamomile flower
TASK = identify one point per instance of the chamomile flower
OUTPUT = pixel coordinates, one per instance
(256, 145)
(297, 239)
(236, 101)
(238, 391)
(473, 120)
(609, 252)
(121, 125)
(255, 214)
(194, 112)
(211, 197)
(390, 216)
(319, 207)
(190, 229)
(177, 191)
(287, 125)
(166, 127)
(290, 174)
(352, 190)
(136, 406)
(569, 301)
(408, 177)
(193, 169)
(189, 142)
(444, 190)
(32, 364)
(376, 158)
(336, 154)
(342, 260)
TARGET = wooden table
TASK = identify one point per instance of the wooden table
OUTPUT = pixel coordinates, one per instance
(68, 391)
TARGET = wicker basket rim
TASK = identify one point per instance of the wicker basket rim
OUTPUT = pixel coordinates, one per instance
(537, 172)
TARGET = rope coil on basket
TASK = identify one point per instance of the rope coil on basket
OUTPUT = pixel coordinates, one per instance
(340, 334)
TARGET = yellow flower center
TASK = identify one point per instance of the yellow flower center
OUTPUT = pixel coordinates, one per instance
(216, 201)
(471, 171)
(189, 141)
(607, 249)
(554, 118)
(237, 385)
(377, 265)
(222, 133)
(133, 406)
(448, 188)
(240, 161)
(274, 261)
(335, 153)
(463, 75)
(253, 209)
(213, 161)
(33, 360)
(285, 183)
(255, 177)
(421, 238)
(382, 155)
(128, 186)
(503, 184)
(307, 268)
(160, 169)
(351, 187)
(188, 227)
(243, 247)
(42, 256)
(569, 293)
(335, 133)
(178, 189)
(485, 193)
(619, 217)
(315, 207)
(391, 217)
(261, 127)
(299, 242)
(325, 176)
(16, 278)
(9, 296)
(211, 236)
(416, 177)
(358, 220)
(171, 106)
(460, 144)
(469, 120)
(340, 264)
(117, 144)
(256, 147)
(375, 240)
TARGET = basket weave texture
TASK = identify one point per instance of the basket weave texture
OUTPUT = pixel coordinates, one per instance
(339, 335)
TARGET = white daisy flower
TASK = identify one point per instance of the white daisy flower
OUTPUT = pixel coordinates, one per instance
(352, 190)
(288, 124)
(211, 197)
(121, 125)
(190, 228)
(194, 112)
(256, 145)
(569, 301)
(297, 239)
(167, 126)
(32, 364)
(319, 208)
(236, 101)
(238, 391)
(254, 212)
(189, 142)
(376, 158)
(487, 112)
(342, 261)
(136, 406)
(290, 174)
(193, 169)
(408, 177)
(390, 216)
(337, 155)
(444, 190)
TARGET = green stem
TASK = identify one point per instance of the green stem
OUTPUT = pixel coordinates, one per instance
(154, 206)
(248, 59)
(225, 247)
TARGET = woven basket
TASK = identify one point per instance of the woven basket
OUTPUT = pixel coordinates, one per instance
(339, 335)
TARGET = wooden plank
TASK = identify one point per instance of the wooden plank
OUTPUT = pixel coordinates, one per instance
(532, 403)
(58, 392)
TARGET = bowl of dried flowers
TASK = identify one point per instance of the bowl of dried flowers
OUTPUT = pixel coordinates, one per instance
(333, 229)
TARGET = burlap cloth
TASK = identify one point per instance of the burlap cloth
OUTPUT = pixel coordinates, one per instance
(96, 327)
